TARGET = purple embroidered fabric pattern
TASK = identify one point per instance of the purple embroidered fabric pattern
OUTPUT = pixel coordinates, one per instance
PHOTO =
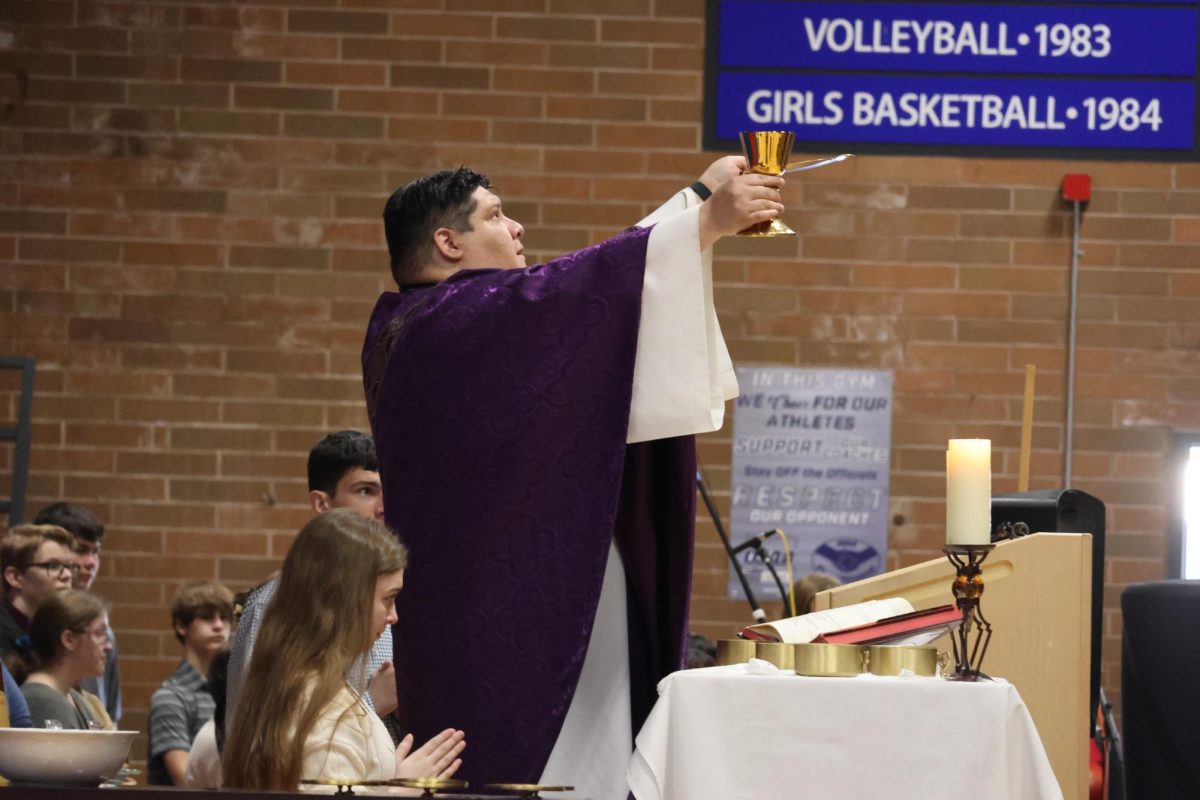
(499, 401)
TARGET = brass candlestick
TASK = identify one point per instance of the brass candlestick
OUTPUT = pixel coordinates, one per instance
(967, 589)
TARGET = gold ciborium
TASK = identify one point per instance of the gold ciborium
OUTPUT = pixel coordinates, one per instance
(767, 153)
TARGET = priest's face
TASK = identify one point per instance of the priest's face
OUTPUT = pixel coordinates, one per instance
(494, 240)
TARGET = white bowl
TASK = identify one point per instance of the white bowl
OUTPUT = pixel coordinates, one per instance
(33, 755)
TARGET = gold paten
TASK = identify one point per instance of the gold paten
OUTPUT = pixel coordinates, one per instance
(829, 660)
(780, 654)
(429, 784)
(892, 659)
(767, 153)
(734, 651)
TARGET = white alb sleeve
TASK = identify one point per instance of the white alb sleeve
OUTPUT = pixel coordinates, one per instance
(682, 374)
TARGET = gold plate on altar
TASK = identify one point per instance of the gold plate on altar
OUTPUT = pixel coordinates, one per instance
(829, 660)
(430, 784)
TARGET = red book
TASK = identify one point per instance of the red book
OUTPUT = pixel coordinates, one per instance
(919, 627)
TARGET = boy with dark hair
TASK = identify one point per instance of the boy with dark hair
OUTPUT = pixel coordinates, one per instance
(343, 472)
(200, 617)
(88, 531)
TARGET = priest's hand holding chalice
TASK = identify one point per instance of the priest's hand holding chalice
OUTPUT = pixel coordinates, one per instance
(767, 153)
(734, 197)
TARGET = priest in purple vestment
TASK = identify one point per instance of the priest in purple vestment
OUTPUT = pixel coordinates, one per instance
(534, 434)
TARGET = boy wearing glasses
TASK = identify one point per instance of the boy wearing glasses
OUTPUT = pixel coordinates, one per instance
(36, 561)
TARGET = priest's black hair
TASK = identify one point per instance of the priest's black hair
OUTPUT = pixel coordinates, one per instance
(417, 209)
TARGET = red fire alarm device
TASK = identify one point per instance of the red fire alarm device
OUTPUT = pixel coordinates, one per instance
(1077, 187)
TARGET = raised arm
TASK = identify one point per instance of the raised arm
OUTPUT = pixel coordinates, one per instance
(682, 373)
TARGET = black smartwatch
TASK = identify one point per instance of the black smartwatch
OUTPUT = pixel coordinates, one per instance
(702, 191)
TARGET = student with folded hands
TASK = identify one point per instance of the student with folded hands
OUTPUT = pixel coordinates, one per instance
(300, 718)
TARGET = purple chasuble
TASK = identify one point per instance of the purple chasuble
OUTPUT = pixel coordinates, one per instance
(499, 401)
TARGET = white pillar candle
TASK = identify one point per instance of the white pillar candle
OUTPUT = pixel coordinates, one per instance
(969, 491)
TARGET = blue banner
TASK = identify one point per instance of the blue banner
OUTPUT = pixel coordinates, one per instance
(811, 450)
(1099, 79)
(959, 111)
(927, 37)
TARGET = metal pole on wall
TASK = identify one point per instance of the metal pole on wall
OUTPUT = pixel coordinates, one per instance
(1077, 189)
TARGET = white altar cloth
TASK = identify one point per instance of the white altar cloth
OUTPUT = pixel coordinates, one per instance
(720, 733)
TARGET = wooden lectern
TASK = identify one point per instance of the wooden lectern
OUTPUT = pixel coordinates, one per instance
(1037, 595)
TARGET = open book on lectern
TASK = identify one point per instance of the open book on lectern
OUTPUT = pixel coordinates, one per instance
(889, 621)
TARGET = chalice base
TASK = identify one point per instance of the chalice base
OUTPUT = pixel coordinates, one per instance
(765, 229)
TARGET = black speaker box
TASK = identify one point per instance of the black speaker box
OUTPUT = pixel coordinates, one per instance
(1160, 696)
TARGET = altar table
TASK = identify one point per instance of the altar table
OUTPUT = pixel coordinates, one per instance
(723, 733)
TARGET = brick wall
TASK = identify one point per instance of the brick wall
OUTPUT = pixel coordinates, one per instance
(190, 244)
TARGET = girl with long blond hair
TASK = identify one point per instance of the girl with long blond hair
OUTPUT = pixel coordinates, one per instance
(301, 717)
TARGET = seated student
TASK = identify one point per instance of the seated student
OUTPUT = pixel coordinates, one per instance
(200, 615)
(301, 717)
(343, 472)
(88, 531)
(36, 561)
(18, 709)
(204, 759)
(69, 634)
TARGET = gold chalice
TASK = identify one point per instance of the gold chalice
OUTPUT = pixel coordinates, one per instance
(767, 153)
